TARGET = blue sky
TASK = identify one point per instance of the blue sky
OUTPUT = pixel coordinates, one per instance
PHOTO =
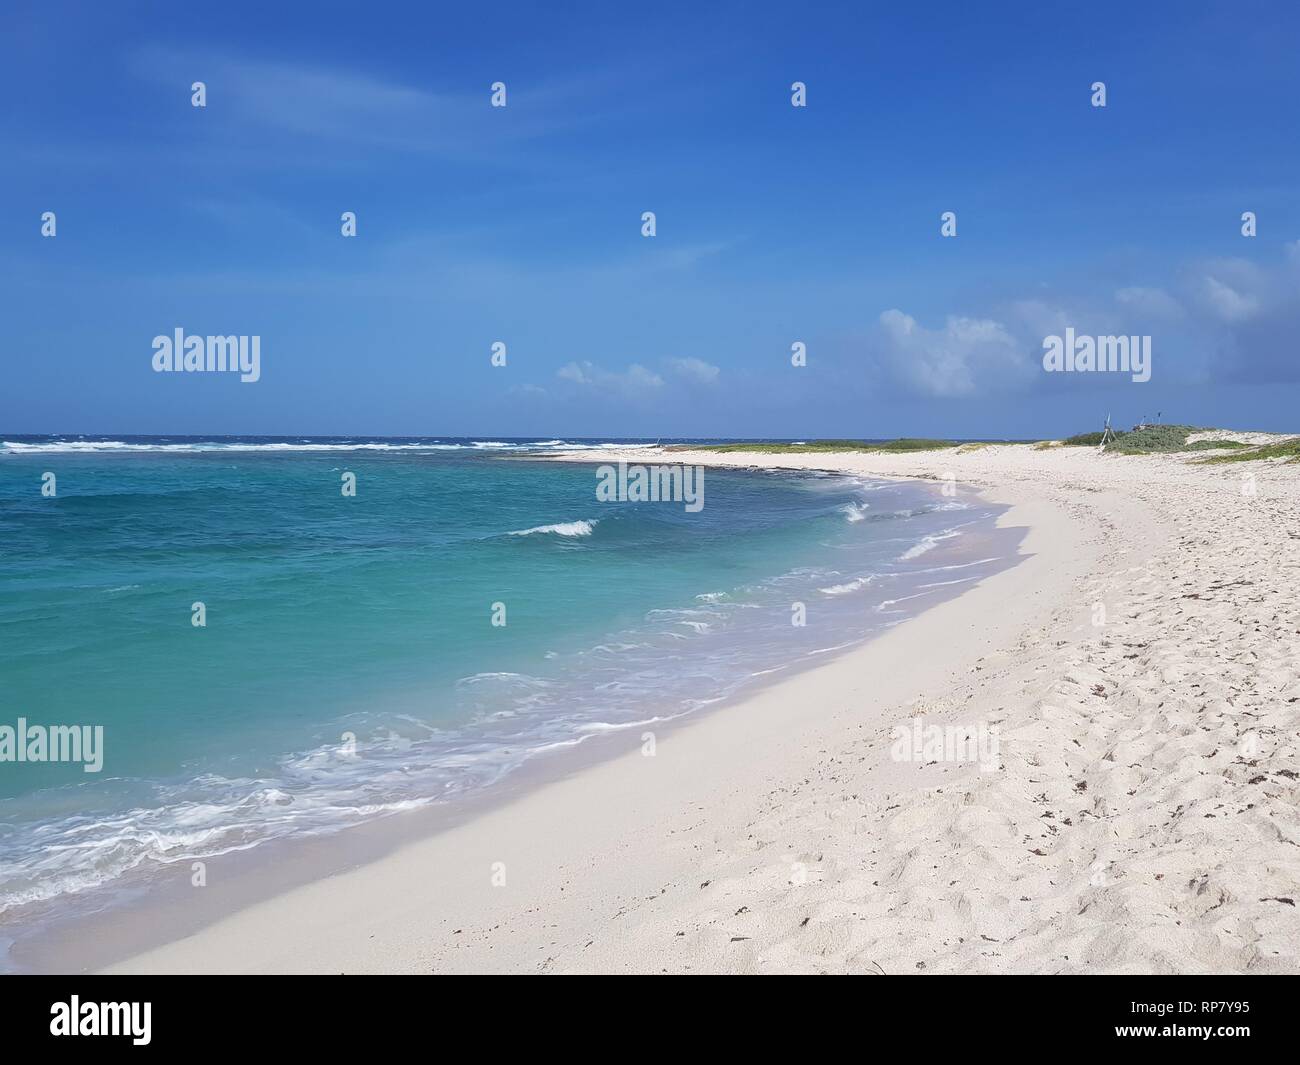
(523, 224)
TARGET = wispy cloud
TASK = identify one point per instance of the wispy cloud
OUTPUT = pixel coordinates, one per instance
(636, 380)
(304, 103)
(1155, 302)
(695, 370)
(1227, 302)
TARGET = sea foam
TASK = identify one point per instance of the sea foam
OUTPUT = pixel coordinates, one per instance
(563, 528)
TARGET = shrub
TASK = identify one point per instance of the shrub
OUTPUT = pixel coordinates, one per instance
(1155, 438)
(1089, 439)
(1287, 449)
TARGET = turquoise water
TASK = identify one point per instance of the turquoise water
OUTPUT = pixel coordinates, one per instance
(349, 666)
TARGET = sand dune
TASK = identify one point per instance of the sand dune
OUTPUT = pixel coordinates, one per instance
(1147, 813)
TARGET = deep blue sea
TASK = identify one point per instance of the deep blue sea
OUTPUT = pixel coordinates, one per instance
(349, 666)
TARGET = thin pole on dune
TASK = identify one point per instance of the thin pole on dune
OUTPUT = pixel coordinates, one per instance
(1107, 435)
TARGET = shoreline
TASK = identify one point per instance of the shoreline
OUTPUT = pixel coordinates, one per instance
(1124, 831)
(544, 833)
(143, 915)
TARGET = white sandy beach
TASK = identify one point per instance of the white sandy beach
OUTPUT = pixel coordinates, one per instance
(1145, 816)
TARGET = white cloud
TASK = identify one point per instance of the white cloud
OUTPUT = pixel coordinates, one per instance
(1227, 302)
(1153, 302)
(527, 390)
(632, 381)
(1039, 319)
(966, 355)
(577, 372)
(695, 369)
(1226, 319)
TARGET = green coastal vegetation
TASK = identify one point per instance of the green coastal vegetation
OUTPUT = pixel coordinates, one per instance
(1286, 449)
(1166, 439)
(1151, 439)
(1215, 445)
(1155, 439)
(768, 448)
(1144, 440)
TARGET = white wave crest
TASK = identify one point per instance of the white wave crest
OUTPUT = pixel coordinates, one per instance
(562, 528)
(927, 543)
(847, 588)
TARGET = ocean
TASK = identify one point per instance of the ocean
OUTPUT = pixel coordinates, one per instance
(468, 610)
